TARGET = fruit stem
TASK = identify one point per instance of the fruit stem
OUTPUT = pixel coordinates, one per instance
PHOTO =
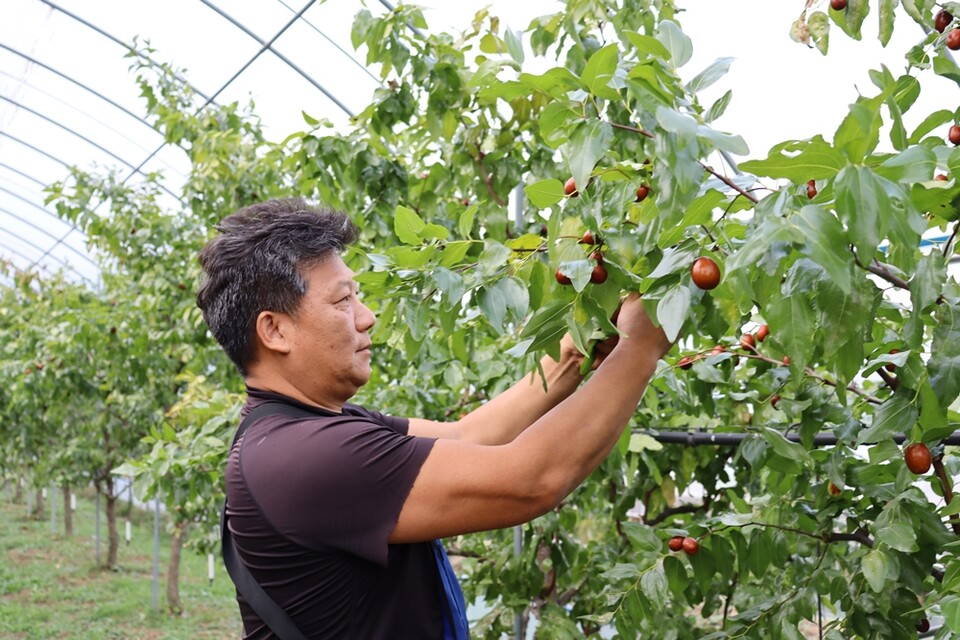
(953, 236)
(892, 382)
(947, 487)
(881, 270)
(489, 183)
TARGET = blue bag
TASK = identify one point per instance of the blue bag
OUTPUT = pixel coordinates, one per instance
(452, 607)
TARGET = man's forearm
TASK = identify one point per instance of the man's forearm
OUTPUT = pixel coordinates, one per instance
(503, 418)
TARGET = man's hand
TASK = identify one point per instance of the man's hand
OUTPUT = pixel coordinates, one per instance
(630, 321)
(637, 330)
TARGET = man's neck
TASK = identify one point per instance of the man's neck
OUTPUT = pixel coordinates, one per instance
(286, 388)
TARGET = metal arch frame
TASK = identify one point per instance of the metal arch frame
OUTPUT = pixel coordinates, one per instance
(84, 138)
(323, 35)
(208, 100)
(268, 46)
(76, 82)
(51, 235)
(116, 40)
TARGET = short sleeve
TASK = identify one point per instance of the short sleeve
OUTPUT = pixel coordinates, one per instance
(333, 482)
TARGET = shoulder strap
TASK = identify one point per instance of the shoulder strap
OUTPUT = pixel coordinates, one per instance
(269, 611)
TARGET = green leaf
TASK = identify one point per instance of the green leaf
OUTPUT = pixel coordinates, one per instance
(895, 528)
(915, 164)
(555, 83)
(887, 8)
(672, 311)
(944, 65)
(505, 295)
(864, 206)
(545, 193)
(710, 75)
(799, 161)
(859, 132)
(931, 122)
(718, 108)
(407, 225)
(818, 26)
(878, 568)
(944, 363)
(786, 448)
(950, 610)
(648, 44)
(793, 316)
(643, 537)
(676, 42)
(898, 414)
(927, 281)
(588, 143)
(465, 224)
(851, 19)
(514, 45)
(599, 70)
(654, 584)
(826, 243)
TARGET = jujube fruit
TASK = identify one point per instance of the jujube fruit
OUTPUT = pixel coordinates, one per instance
(838, 5)
(918, 458)
(923, 625)
(954, 133)
(589, 238)
(953, 39)
(775, 400)
(690, 546)
(562, 278)
(642, 192)
(570, 188)
(675, 543)
(598, 275)
(763, 332)
(685, 363)
(941, 177)
(942, 20)
(748, 342)
(833, 489)
(705, 273)
(811, 189)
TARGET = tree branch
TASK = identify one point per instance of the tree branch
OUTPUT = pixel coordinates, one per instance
(488, 182)
(953, 236)
(673, 511)
(879, 269)
(947, 487)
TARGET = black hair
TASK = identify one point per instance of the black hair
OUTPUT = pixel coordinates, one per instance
(256, 264)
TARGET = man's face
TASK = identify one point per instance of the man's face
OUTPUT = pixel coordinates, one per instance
(331, 346)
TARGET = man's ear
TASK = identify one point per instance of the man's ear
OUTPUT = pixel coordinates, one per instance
(272, 332)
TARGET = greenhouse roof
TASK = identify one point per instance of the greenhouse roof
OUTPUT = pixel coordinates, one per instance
(68, 96)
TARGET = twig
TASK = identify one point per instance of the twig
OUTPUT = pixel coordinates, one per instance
(892, 382)
(730, 183)
(881, 270)
(626, 127)
(953, 236)
(489, 183)
(673, 511)
(726, 603)
(947, 487)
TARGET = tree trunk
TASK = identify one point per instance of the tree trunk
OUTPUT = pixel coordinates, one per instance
(111, 509)
(38, 506)
(173, 573)
(67, 511)
(18, 491)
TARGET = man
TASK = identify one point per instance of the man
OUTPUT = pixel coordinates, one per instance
(335, 513)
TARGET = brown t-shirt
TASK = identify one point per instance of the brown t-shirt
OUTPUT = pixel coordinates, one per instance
(311, 503)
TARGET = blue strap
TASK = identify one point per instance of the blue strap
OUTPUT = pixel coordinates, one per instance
(453, 608)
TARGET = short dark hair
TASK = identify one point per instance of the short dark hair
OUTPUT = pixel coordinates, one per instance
(256, 263)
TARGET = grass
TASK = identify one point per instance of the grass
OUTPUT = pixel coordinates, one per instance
(50, 586)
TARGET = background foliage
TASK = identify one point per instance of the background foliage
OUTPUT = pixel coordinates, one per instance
(821, 240)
